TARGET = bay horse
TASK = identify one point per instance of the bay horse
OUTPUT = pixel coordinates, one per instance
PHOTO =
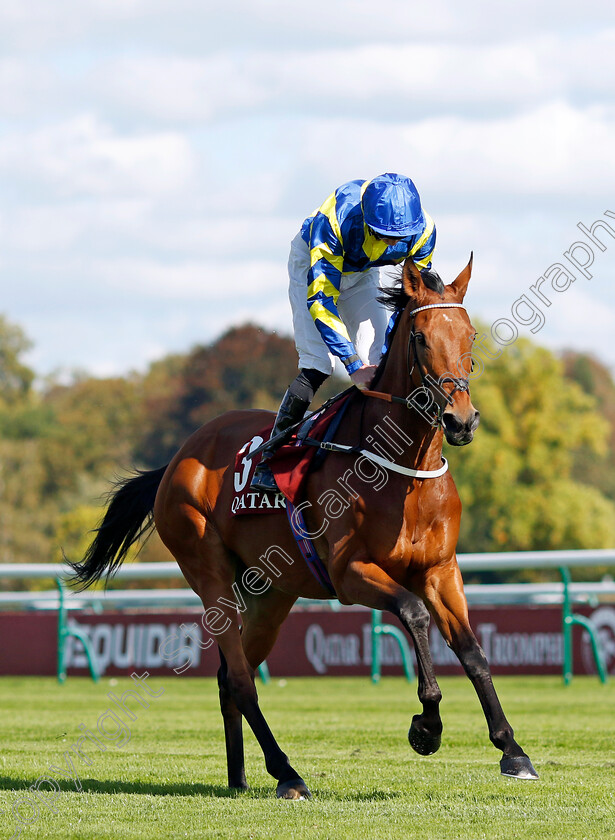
(389, 548)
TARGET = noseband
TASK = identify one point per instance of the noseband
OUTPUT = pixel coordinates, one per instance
(460, 383)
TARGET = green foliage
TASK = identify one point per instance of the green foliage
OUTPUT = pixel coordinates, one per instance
(15, 377)
(245, 368)
(74, 532)
(516, 479)
(98, 423)
(597, 469)
(26, 515)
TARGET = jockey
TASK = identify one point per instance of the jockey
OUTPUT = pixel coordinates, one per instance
(335, 281)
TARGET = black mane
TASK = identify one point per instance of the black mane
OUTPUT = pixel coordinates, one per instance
(395, 297)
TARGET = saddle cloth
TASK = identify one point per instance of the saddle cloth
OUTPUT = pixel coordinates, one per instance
(290, 465)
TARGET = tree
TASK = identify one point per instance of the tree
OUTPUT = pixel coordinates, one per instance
(539, 474)
(97, 424)
(245, 368)
(516, 479)
(590, 467)
(15, 377)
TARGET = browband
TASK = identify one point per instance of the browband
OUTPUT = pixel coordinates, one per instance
(437, 306)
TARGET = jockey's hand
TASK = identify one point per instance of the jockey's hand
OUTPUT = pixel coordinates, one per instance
(362, 378)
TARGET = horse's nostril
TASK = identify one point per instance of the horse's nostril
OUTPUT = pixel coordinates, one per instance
(452, 424)
(457, 428)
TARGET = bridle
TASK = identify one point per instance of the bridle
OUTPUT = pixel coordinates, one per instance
(460, 383)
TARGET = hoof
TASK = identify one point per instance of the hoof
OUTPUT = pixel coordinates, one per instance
(295, 789)
(517, 767)
(421, 740)
(239, 786)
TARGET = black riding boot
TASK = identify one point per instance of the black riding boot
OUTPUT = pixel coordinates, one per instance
(290, 412)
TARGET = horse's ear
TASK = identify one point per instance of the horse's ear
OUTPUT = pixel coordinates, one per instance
(411, 278)
(460, 285)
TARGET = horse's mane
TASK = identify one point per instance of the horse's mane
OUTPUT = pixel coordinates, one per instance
(395, 298)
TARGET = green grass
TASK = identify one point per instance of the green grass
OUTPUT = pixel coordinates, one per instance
(346, 737)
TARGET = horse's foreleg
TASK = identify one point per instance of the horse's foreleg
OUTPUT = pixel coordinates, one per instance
(366, 583)
(425, 734)
(444, 593)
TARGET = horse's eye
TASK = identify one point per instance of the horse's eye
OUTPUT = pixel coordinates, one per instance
(420, 338)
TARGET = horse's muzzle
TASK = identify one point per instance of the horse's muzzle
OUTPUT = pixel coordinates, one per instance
(460, 431)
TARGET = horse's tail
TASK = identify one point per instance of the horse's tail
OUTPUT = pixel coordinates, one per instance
(129, 517)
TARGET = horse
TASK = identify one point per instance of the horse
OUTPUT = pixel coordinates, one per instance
(385, 547)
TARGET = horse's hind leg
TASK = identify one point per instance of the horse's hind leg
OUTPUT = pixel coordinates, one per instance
(233, 731)
(444, 593)
(261, 623)
(211, 574)
(240, 682)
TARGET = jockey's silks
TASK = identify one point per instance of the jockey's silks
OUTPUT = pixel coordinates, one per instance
(341, 243)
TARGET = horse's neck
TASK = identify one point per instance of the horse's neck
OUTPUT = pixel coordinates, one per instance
(401, 423)
(406, 437)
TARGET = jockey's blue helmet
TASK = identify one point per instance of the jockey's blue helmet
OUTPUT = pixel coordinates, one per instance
(392, 206)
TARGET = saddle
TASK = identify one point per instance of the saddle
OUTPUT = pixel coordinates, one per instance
(291, 464)
(294, 461)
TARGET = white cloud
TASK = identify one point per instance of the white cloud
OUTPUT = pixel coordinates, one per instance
(25, 86)
(553, 151)
(83, 156)
(113, 228)
(393, 82)
(194, 25)
(582, 320)
(190, 282)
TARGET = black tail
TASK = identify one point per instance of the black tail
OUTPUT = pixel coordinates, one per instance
(129, 517)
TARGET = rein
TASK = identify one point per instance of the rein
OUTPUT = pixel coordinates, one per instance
(459, 383)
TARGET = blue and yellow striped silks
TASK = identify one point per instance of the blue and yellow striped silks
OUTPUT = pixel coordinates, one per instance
(341, 243)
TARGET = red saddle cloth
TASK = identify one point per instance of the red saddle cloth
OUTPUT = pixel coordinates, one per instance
(290, 466)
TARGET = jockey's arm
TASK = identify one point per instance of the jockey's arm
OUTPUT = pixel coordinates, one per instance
(324, 278)
(422, 250)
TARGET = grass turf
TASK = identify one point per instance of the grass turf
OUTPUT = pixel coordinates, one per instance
(345, 736)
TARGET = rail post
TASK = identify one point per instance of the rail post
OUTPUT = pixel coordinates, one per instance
(263, 672)
(64, 631)
(569, 619)
(378, 630)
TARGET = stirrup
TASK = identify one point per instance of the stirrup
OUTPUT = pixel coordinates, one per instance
(264, 480)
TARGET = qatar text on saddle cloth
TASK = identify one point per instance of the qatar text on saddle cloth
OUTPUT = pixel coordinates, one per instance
(246, 500)
(290, 466)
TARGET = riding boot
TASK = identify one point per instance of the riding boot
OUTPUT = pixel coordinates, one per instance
(290, 412)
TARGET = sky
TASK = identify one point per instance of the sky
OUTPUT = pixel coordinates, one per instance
(157, 158)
